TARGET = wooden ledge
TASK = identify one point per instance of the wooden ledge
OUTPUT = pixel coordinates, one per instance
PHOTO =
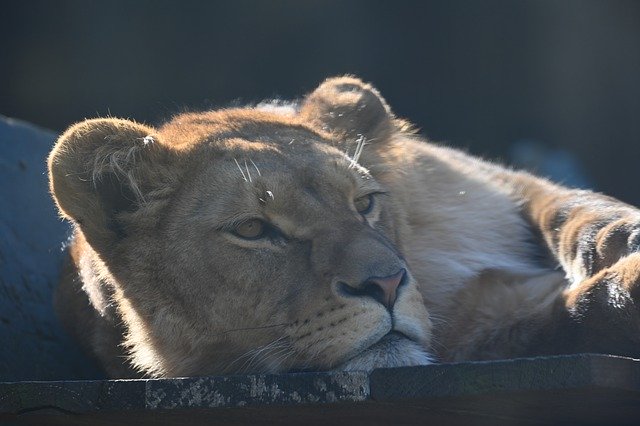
(575, 389)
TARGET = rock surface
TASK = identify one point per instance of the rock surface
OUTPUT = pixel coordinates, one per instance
(33, 346)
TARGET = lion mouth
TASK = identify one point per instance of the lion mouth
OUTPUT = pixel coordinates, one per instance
(390, 339)
(394, 349)
(393, 335)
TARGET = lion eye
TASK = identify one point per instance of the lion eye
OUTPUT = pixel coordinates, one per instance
(251, 229)
(364, 204)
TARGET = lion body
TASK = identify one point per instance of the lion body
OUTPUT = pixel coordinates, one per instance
(176, 287)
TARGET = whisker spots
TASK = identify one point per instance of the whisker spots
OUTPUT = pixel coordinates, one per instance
(340, 321)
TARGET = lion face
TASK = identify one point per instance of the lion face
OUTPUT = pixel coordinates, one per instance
(300, 241)
(246, 242)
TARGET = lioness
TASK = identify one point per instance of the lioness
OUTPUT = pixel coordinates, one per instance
(327, 235)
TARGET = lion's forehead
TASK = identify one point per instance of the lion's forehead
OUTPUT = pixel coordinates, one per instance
(294, 186)
(188, 131)
(312, 170)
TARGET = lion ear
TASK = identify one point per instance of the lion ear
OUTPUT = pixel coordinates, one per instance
(102, 169)
(350, 107)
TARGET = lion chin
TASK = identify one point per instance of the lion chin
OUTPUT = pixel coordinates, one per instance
(393, 350)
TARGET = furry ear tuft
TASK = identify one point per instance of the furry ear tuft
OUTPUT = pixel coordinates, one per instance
(102, 168)
(349, 107)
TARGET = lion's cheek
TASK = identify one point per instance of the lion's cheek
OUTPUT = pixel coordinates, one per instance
(410, 317)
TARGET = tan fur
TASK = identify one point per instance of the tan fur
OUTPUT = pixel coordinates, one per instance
(159, 283)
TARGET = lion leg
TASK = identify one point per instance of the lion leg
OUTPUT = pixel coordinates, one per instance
(538, 317)
(602, 313)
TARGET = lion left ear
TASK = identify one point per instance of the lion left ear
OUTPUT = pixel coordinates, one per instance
(100, 170)
(349, 107)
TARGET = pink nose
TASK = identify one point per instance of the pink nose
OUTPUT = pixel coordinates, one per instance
(384, 289)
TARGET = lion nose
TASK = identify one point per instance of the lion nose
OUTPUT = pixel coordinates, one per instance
(382, 289)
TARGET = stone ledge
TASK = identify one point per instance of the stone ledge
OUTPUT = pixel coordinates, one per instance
(572, 389)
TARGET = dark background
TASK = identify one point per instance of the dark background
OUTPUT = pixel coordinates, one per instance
(549, 83)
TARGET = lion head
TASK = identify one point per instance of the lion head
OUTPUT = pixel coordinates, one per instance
(244, 240)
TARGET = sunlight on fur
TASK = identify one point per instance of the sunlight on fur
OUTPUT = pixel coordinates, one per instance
(326, 235)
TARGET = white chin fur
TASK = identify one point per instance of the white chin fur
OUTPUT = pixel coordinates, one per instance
(391, 351)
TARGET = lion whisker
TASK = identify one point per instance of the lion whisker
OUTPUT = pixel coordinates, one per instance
(256, 167)
(435, 342)
(250, 353)
(248, 173)
(439, 319)
(360, 143)
(261, 352)
(281, 357)
(241, 172)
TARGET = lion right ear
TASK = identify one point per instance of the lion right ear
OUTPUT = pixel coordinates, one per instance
(103, 169)
(351, 108)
